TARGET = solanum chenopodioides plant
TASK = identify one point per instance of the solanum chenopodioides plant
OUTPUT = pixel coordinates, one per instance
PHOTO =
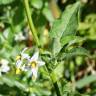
(62, 33)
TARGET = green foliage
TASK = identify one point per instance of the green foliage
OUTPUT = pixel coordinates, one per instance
(11, 82)
(56, 75)
(4, 2)
(85, 81)
(37, 3)
(79, 51)
(64, 34)
(66, 26)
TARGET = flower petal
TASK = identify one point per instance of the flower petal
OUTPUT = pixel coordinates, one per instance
(41, 63)
(24, 50)
(20, 37)
(18, 63)
(5, 68)
(35, 56)
(34, 73)
(25, 56)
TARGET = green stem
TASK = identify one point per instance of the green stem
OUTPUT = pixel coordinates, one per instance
(30, 21)
(57, 89)
(55, 84)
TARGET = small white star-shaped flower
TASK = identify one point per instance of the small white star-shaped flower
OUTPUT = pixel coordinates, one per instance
(4, 66)
(20, 58)
(32, 64)
(20, 37)
(35, 63)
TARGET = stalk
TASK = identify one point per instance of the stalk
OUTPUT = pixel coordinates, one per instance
(55, 84)
(30, 22)
(34, 32)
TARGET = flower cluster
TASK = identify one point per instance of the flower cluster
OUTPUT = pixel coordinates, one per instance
(4, 66)
(27, 63)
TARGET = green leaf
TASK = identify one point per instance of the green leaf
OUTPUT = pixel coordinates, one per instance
(56, 46)
(74, 52)
(85, 81)
(37, 3)
(12, 82)
(3, 2)
(71, 40)
(65, 26)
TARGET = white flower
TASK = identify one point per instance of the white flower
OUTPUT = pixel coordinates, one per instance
(35, 63)
(24, 55)
(20, 58)
(33, 94)
(25, 63)
(4, 66)
(20, 37)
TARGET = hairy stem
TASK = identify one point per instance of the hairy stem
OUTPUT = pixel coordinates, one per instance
(55, 84)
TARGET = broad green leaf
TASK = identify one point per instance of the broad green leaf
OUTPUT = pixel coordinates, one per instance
(37, 3)
(12, 82)
(75, 52)
(68, 90)
(6, 80)
(67, 24)
(3, 2)
(85, 81)
(56, 46)
(79, 51)
(71, 40)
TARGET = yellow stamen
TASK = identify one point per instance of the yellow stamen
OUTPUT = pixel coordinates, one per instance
(33, 64)
(18, 57)
(18, 71)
